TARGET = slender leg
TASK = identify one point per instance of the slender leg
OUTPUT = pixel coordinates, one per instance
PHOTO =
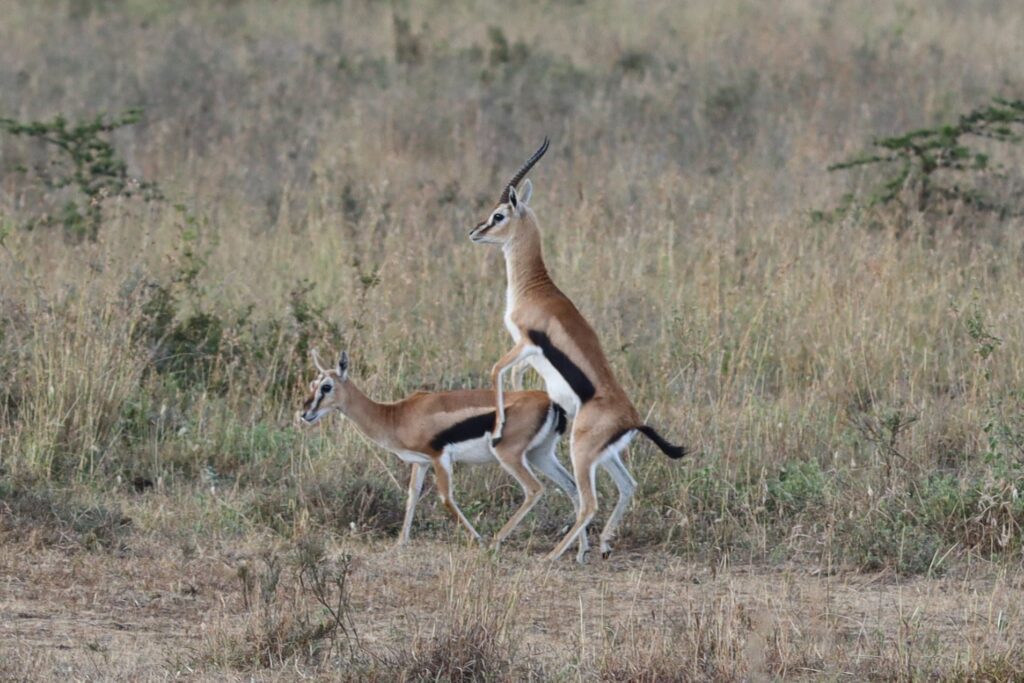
(584, 465)
(443, 475)
(517, 375)
(533, 489)
(626, 485)
(544, 459)
(517, 353)
(419, 472)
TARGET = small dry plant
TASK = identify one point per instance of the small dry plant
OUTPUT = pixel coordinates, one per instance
(476, 637)
(298, 613)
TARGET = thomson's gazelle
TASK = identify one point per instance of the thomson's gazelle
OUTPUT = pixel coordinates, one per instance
(439, 429)
(551, 334)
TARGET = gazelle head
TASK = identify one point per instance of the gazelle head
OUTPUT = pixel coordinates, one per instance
(501, 224)
(327, 391)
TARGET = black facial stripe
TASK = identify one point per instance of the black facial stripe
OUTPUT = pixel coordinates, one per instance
(470, 428)
(570, 372)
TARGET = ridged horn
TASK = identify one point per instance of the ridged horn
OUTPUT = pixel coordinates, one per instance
(316, 361)
(521, 173)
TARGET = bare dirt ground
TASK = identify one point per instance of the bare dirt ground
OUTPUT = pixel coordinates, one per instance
(152, 614)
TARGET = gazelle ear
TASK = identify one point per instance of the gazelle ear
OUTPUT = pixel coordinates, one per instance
(524, 198)
(513, 198)
(343, 365)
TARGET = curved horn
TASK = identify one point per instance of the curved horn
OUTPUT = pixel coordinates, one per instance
(525, 169)
(316, 361)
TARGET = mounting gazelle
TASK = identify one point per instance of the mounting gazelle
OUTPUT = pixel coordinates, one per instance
(552, 336)
(442, 428)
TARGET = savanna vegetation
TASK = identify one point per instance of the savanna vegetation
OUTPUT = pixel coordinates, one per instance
(796, 227)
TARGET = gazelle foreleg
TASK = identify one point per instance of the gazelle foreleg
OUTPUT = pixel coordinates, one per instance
(519, 352)
(419, 473)
(518, 372)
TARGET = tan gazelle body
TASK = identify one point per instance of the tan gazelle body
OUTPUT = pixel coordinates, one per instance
(553, 336)
(440, 429)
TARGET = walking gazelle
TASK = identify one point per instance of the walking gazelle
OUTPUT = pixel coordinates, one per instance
(552, 336)
(439, 429)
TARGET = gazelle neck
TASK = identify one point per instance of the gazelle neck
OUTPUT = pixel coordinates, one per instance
(373, 419)
(524, 259)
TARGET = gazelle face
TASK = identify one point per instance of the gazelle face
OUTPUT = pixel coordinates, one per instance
(500, 226)
(496, 229)
(326, 391)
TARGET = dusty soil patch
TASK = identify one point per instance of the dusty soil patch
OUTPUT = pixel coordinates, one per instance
(149, 613)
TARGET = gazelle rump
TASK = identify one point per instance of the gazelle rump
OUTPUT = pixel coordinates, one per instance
(554, 337)
(439, 429)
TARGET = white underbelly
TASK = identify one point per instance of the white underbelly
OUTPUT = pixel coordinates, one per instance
(413, 458)
(476, 451)
(558, 389)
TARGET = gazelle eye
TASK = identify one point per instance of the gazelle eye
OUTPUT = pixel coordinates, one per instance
(325, 389)
(498, 217)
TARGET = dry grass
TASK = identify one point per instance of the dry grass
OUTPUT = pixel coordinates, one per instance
(852, 389)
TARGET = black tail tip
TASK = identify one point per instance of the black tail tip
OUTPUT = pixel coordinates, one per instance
(671, 450)
(677, 452)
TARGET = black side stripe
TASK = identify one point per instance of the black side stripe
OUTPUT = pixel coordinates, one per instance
(467, 430)
(570, 372)
(560, 416)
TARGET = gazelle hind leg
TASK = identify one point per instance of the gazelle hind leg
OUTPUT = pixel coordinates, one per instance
(544, 459)
(533, 489)
(443, 477)
(627, 485)
(419, 472)
(584, 468)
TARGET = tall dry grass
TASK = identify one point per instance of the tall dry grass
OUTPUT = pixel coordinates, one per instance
(828, 376)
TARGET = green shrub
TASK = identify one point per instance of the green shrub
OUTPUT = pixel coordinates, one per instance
(945, 163)
(797, 487)
(83, 158)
